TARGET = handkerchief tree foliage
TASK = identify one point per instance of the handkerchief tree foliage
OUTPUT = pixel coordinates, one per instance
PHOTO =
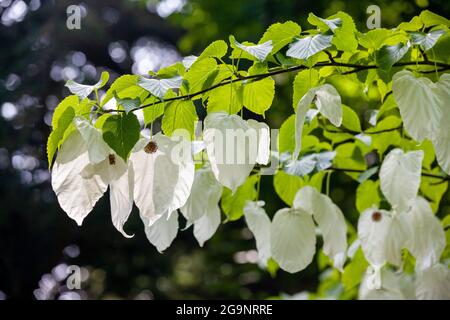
(399, 154)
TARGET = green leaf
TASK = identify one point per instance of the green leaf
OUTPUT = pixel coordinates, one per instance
(121, 132)
(308, 46)
(179, 114)
(60, 124)
(368, 195)
(413, 25)
(127, 104)
(82, 90)
(350, 156)
(258, 95)
(344, 36)
(286, 136)
(324, 24)
(233, 204)
(286, 186)
(101, 120)
(124, 87)
(350, 119)
(387, 56)
(354, 271)
(426, 40)
(381, 141)
(151, 113)
(432, 190)
(216, 49)
(68, 102)
(430, 19)
(304, 80)
(199, 73)
(259, 51)
(374, 39)
(228, 98)
(281, 34)
(176, 69)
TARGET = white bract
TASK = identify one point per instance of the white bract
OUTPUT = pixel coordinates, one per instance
(83, 90)
(427, 238)
(84, 168)
(259, 51)
(162, 231)
(164, 173)
(293, 239)
(433, 283)
(234, 146)
(159, 87)
(400, 177)
(382, 236)
(390, 289)
(425, 111)
(259, 224)
(308, 46)
(202, 206)
(420, 102)
(330, 220)
(328, 102)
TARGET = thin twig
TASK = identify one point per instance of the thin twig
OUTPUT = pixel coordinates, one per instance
(276, 71)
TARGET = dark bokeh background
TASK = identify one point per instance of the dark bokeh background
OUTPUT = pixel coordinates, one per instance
(38, 54)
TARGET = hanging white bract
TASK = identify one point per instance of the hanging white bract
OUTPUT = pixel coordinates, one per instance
(234, 146)
(84, 168)
(202, 207)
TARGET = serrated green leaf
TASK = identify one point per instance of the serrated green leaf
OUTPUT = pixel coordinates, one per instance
(179, 114)
(350, 119)
(304, 80)
(430, 19)
(281, 34)
(60, 125)
(199, 73)
(233, 204)
(176, 69)
(374, 39)
(258, 95)
(127, 104)
(387, 56)
(228, 98)
(60, 118)
(413, 25)
(354, 271)
(286, 137)
(121, 132)
(151, 113)
(324, 24)
(286, 186)
(124, 87)
(368, 195)
(344, 36)
(216, 49)
(350, 156)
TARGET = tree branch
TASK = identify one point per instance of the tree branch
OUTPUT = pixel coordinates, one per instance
(276, 71)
